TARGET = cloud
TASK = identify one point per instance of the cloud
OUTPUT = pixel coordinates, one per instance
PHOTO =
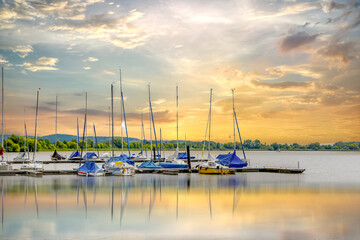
(120, 31)
(160, 117)
(296, 41)
(206, 19)
(339, 54)
(302, 69)
(43, 63)
(159, 101)
(91, 59)
(109, 72)
(56, 9)
(282, 85)
(21, 50)
(92, 112)
(332, 5)
(2, 60)
(288, 10)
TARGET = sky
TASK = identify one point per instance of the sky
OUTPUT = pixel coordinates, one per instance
(294, 65)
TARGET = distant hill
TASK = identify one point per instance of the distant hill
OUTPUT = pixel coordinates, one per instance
(67, 137)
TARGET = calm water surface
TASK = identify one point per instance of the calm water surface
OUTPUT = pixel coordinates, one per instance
(321, 203)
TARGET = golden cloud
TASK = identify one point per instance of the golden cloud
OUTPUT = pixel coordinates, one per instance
(43, 63)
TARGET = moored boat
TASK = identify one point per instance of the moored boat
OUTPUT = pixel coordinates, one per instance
(34, 165)
(231, 160)
(173, 161)
(209, 165)
(89, 169)
(56, 156)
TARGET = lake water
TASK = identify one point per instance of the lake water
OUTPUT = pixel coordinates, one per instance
(321, 203)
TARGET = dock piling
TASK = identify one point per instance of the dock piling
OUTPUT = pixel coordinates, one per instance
(188, 156)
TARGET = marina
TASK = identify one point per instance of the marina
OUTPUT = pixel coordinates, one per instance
(184, 120)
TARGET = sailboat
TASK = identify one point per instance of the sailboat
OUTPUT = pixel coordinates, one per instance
(231, 160)
(150, 164)
(173, 161)
(3, 165)
(76, 155)
(88, 168)
(88, 155)
(210, 166)
(56, 155)
(34, 166)
(24, 156)
(121, 165)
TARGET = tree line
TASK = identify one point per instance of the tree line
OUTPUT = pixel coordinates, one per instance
(17, 144)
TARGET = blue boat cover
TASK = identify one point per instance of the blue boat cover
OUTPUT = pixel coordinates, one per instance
(149, 165)
(231, 160)
(75, 154)
(183, 155)
(174, 165)
(89, 167)
(90, 155)
(123, 158)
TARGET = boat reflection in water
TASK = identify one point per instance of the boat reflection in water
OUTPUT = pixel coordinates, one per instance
(182, 206)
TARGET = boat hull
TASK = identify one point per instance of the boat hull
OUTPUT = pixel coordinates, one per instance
(5, 167)
(32, 167)
(94, 174)
(124, 172)
(215, 171)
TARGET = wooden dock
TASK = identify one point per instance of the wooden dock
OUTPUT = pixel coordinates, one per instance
(163, 171)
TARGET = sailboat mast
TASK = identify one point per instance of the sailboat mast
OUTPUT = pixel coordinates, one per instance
(160, 146)
(86, 122)
(153, 123)
(27, 142)
(36, 116)
(142, 137)
(84, 130)
(233, 103)
(177, 118)
(109, 127)
(210, 118)
(96, 144)
(143, 132)
(77, 127)
(237, 125)
(151, 150)
(206, 131)
(185, 142)
(123, 107)
(2, 109)
(56, 121)
(112, 121)
(121, 115)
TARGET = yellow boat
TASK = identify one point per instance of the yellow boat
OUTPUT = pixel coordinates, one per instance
(213, 168)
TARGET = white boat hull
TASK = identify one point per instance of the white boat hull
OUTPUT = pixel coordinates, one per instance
(32, 166)
(95, 174)
(124, 172)
(5, 166)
